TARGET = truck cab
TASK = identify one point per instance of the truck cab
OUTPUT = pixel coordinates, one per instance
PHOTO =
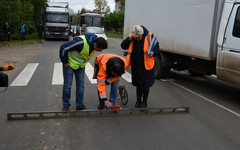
(228, 62)
(57, 20)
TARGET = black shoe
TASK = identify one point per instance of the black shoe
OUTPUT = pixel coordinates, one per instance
(81, 107)
(101, 107)
(65, 108)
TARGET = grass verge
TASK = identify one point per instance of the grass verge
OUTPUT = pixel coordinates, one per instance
(30, 39)
(115, 35)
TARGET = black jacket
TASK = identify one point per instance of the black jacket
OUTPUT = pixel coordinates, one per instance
(6, 30)
(140, 76)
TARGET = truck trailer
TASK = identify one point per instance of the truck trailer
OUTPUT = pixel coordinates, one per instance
(201, 36)
(56, 20)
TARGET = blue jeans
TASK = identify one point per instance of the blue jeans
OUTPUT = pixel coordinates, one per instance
(113, 92)
(67, 84)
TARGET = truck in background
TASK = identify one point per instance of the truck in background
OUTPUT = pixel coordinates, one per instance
(56, 20)
(88, 20)
(201, 36)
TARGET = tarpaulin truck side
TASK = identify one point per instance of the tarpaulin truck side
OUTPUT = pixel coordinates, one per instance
(201, 36)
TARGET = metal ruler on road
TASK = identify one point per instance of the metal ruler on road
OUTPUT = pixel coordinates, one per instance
(95, 113)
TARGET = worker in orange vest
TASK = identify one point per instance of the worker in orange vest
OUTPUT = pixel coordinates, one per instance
(141, 59)
(108, 68)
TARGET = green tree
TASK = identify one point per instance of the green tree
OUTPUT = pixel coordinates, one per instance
(101, 7)
(122, 4)
(83, 10)
(26, 15)
(38, 10)
(16, 11)
(114, 21)
(8, 13)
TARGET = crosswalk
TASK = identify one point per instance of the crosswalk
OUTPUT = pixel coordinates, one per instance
(27, 73)
(24, 77)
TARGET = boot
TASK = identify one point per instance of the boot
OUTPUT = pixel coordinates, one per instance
(101, 105)
(139, 97)
(138, 104)
(145, 97)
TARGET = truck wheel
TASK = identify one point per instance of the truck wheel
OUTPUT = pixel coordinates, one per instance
(160, 71)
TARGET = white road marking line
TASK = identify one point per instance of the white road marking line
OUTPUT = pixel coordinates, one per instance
(186, 74)
(89, 72)
(225, 108)
(167, 80)
(57, 78)
(24, 77)
(127, 76)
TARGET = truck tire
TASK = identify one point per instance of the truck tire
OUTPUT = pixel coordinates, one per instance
(159, 71)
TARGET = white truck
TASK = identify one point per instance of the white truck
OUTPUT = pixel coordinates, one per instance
(57, 20)
(201, 36)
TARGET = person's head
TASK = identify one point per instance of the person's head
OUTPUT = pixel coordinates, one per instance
(117, 68)
(99, 44)
(137, 32)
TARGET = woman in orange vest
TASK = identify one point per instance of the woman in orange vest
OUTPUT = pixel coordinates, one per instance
(141, 60)
(108, 69)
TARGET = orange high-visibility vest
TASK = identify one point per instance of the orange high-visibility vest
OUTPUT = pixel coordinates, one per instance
(101, 61)
(148, 61)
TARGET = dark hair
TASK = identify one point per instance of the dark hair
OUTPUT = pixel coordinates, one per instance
(101, 43)
(117, 68)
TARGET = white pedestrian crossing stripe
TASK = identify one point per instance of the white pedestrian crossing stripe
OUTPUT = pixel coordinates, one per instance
(57, 74)
(89, 72)
(57, 78)
(24, 77)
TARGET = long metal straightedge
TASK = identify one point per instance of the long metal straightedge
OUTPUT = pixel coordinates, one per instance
(95, 113)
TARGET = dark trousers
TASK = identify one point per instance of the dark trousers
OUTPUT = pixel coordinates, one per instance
(7, 36)
(22, 34)
(40, 35)
(142, 92)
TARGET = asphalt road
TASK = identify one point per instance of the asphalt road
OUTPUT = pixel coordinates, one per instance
(212, 123)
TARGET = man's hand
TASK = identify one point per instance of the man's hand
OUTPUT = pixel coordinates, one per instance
(108, 104)
(130, 36)
(151, 54)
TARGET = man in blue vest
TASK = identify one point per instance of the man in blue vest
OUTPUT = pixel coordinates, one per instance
(22, 31)
(74, 56)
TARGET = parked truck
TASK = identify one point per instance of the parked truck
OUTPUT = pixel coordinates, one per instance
(57, 20)
(201, 36)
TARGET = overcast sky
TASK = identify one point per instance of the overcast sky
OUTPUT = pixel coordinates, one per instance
(87, 4)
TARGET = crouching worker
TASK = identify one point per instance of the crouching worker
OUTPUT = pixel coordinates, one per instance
(108, 69)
